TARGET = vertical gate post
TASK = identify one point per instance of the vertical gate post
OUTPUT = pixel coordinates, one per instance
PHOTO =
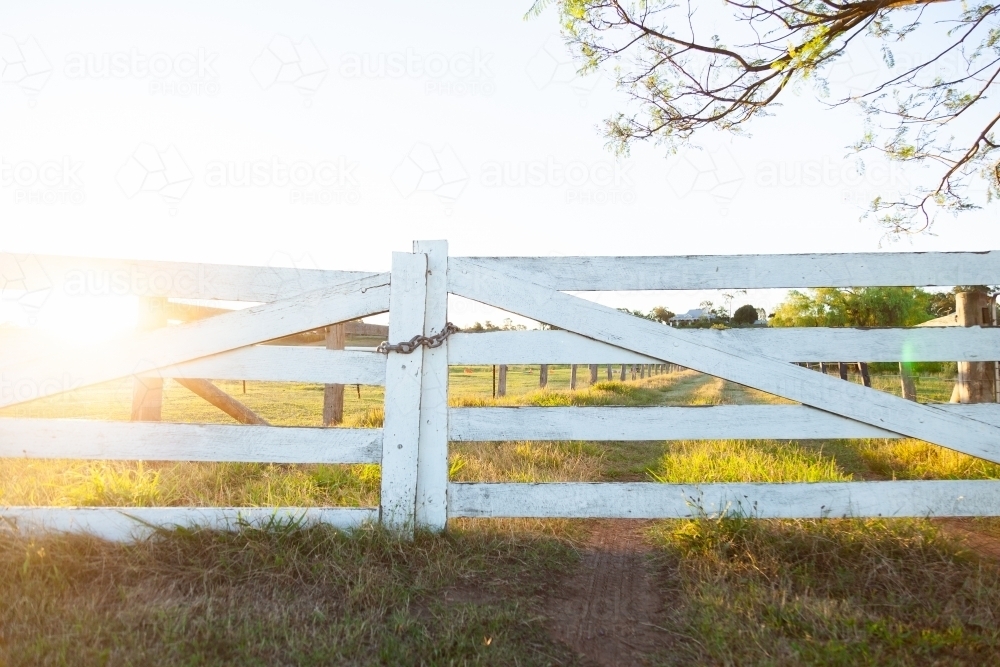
(543, 375)
(403, 374)
(432, 456)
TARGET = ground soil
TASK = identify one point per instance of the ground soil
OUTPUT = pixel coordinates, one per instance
(976, 540)
(607, 610)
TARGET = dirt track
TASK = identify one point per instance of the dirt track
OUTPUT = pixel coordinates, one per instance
(606, 611)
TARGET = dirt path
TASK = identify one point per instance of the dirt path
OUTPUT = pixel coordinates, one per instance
(607, 609)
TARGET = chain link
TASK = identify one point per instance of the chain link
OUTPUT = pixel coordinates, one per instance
(409, 346)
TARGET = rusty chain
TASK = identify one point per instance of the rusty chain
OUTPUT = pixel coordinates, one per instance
(409, 346)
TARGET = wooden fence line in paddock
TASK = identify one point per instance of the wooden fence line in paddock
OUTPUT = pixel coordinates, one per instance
(301, 326)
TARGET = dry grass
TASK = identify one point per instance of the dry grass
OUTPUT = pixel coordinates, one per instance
(740, 591)
(914, 459)
(282, 596)
(833, 592)
(526, 462)
(145, 484)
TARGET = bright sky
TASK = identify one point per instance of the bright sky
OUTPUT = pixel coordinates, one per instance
(328, 134)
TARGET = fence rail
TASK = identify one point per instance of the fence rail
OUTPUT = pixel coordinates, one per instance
(412, 446)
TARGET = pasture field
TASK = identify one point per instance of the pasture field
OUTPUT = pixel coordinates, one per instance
(729, 590)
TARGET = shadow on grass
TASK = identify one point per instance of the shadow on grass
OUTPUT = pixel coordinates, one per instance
(830, 592)
(286, 595)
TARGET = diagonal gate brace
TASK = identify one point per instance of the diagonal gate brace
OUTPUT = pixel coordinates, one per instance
(731, 361)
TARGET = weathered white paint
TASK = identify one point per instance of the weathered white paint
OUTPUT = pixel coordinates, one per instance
(731, 361)
(696, 272)
(76, 276)
(284, 363)
(162, 441)
(649, 500)
(402, 393)
(65, 370)
(786, 344)
(432, 458)
(708, 422)
(123, 524)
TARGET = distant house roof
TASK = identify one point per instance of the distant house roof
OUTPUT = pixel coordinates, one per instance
(694, 315)
(945, 321)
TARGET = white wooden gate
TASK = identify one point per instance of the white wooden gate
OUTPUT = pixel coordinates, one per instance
(412, 447)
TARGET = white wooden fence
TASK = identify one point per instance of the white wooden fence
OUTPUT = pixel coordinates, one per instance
(412, 447)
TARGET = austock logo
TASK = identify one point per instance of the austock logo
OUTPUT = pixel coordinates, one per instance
(320, 182)
(553, 66)
(596, 182)
(20, 389)
(426, 170)
(48, 182)
(23, 64)
(24, 281)
(712, 172)
(180, 74)
(286, 275)
(286, 62)
(461, 73)
(135, 281)
(152, 171)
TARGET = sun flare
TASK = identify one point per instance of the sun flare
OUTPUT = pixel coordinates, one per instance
(81, 319)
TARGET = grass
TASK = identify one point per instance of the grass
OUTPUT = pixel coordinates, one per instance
(691, 462)
(282, 596)
(833, 592)
(740, 591)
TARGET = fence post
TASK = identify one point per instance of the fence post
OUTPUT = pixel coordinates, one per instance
(403, 374)
(147, 392)
(333, 394)
(842, 369)
(611, 373)
(623, 373)
(502, 381)
(593, 373)
(909, 389)
(572, 376)
(432, 455)
(543, 375)
(866, 379)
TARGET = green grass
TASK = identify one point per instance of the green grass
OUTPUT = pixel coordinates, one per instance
(740, 591)
(138, 483)
(832, 592)
(691, 462)
(281, 596)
